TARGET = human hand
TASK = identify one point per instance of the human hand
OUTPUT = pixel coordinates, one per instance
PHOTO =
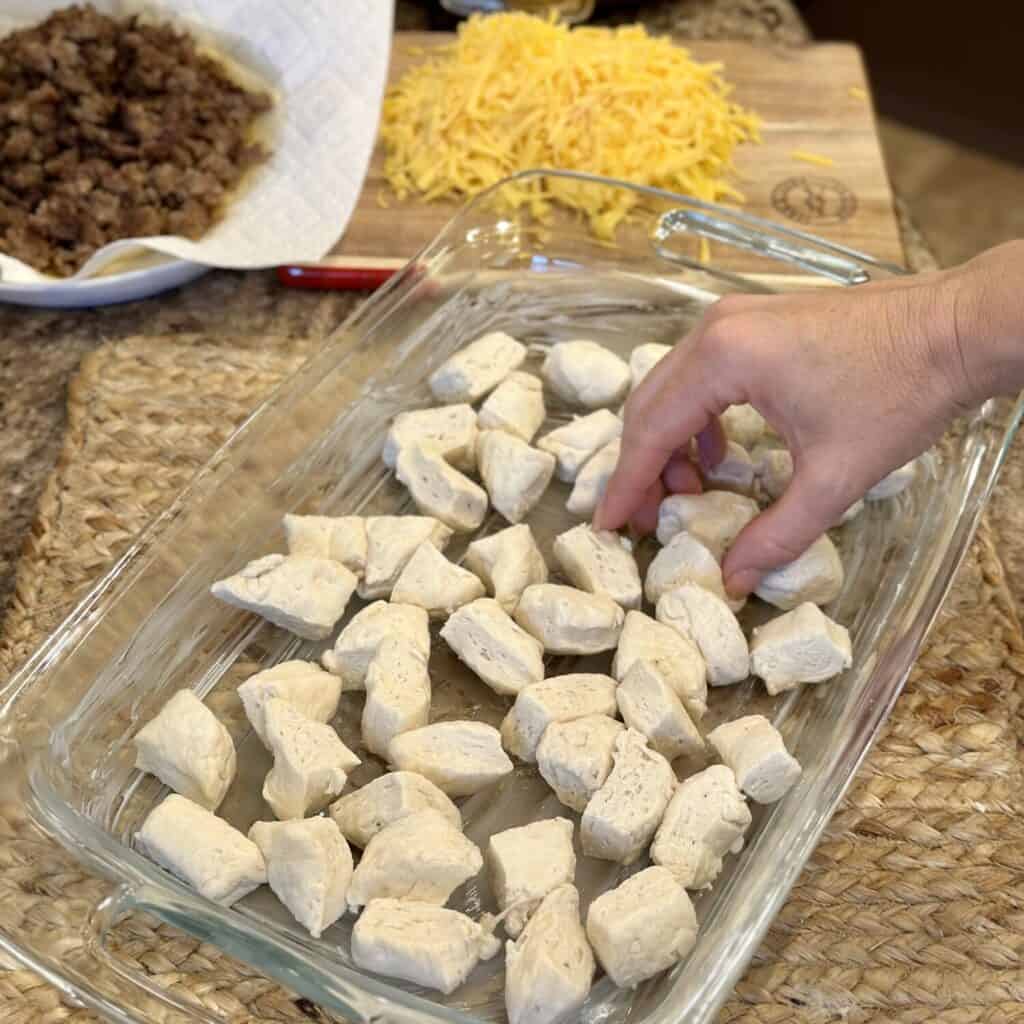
(856, 382)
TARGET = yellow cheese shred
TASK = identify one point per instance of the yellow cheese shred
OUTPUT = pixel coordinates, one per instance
(812, 158)
(515, 92)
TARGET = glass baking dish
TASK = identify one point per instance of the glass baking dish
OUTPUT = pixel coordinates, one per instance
(150, 627)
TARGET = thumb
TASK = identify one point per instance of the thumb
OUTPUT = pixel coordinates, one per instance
(813, 502)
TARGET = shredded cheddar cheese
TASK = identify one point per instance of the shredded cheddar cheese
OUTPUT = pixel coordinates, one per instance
(812, 158)
(515, 92)
(857, 93)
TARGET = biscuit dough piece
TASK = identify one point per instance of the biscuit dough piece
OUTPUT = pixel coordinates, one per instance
(397, 694)
(575, 758)
(556, 699)
(501, 653)
(801, 646)
(430, 581)
(672, 655)
(715, 518)
(309, 867)
(390, 543)
(592, 480)
(586, 374)
(460, 758)
(895, 483)
(755, 751)
(569, 621)
(705, 820)
(450, 429)
(685, 560)
(307, 687)
(734, 473)
(478, 368)
(623, 815)
(516, 406)
(649, 705)
(773, 469)
(339, 538)
(708, 621)
(816, 576)
(575, 443)
(357, 643)
(642, 927)
(508, 562)
(643, 359)
(201, 849)
(420, 857)
(439, 489)
(548, 970)
(311, 764)
(515, 475)
(743, 424)
(188, 749)
(387, 799)
(420, 943)
(306, 596)
(600, 562)
(526, 863)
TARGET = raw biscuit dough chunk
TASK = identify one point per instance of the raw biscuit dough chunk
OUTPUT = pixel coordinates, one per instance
(357, 643)
(773, 468)
(430, 581)
(715, 518)
(397, 694)
(390, 543)
(306, 596)
(508, 562)
(708, 621)
(526, 863)
(575, 758)
(440, 490)
(592, 479)
(420, 943)
(188, 749)
(450, 429)
(600, 562)
(387, 799)
(642, 927)
(502, 654)
(574, 444)
(569, 621)
(339, 538)
(649, 705)
(734, 473)
(460, 758)
(743, 424)
(672, 655)
(623, 815)
(643, 359)
(549, 968)
(816, 576)
(420, 857)
(202, 850)
(515, 475)
(311, 764)
(586, 374)
(557, 699)
(685, 560)
(478, 368)
(801, 646)
(705, 820)
(309, 867)
(895, 483)
(516, 406)
(306, 686)
(755, 751)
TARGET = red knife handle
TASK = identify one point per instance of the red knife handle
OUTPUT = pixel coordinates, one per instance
(330, 277)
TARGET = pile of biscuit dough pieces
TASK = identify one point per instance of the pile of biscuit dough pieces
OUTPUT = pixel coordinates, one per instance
(609, 746)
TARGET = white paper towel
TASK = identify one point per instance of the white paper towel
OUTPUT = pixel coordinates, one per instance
(326, 62)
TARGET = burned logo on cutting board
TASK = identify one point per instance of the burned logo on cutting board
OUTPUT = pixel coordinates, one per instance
(814, 200)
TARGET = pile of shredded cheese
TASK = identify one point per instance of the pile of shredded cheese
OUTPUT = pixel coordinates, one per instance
(515, 92)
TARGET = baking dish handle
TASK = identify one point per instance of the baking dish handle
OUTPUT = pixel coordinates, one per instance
(753, 235)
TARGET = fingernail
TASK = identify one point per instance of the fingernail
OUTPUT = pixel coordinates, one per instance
(742, 583)
(706, 450)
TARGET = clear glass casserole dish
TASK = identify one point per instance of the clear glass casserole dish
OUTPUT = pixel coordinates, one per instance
(150, 626)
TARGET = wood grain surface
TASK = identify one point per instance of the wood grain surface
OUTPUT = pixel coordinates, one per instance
(812, 98)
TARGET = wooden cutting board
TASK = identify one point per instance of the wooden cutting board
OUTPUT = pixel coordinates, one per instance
(814, 98)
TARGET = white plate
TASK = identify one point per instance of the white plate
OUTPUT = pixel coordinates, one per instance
(104, 289)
